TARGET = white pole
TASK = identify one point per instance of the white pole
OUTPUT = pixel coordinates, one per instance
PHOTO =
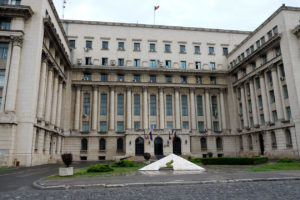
(154, 15)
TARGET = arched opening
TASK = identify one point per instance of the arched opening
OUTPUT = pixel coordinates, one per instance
(177, 146)
(102, 144)
(139, 147)
(288, 138)
(219, 143)
(273, 140)
(158, 146)
(84, 144)
(120, 145)
(261, 144)
(203, 144)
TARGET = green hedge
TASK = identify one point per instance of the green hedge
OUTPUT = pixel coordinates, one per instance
(100, 168)
(124, 163)
(234, 161)
(195, 160)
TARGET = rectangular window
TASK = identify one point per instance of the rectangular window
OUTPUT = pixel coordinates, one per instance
(214, 103)
(88, 61)
(183, 79)
(104, 77)
(272, 96)
(264, 59)
(121, 78)
(262, 40)
(285, 92)
(184, 105)
(212, 66)
(239, 94)
(169, 106)
(185, 125)
(0, 103)
(288, 111)
(121, 46)
(168, 63)
(241, 108)
(251, 49)
(270, 34)
(260, 102)
(4, 2)
(153, 125)
(120, 126)
(137, 125)
(197, 49)
(183, 64)
(167, 48)
(153, 78)
(211, 50)
(257, 83)
(216, 126)
(152, 63)
(152, 47)
(88, 44)
(168, 79)
(257, 44)
(137, 46)
(87, 76)
(85, 126)
(225, 51)
(72, 44)
(86, 103)
(137, 62)
(198, 65)
(120, 104)
(253, 65)
(169, 125)
(121, 62)
(5, 24)
(213, 80)
(275, 30)
(275, 118)
(250, 106)
(15, 2)
(281, 68)
(269, 77)
(242, 124)
(153, 105)
(248, 89)
(199, 106)
(136, 78)
(3, 50)
(262, 119)
(251, 122)
(103, 104)
(2, 77)
(104, 61)
(104, 44)
(103, 127)
(137, 105)
(199, 79)
(201, 126)
(182, 48)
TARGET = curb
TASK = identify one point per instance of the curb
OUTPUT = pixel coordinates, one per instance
(40, 186)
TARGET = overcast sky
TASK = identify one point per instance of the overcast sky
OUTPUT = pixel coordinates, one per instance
(224, 14)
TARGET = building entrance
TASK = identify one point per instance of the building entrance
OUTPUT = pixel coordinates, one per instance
(261, 144)
(177, 146)
(158, 147)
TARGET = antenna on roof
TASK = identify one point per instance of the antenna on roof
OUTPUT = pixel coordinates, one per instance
(64, 6)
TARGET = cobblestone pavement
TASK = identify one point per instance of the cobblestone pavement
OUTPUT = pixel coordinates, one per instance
(287, 190)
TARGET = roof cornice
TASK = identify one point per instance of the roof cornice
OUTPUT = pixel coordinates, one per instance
(16, 11)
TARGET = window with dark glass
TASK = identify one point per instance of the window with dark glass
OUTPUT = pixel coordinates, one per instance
(257, 83)
(241, 108)
(169, 125)
(104, 61)
(219, 143)
(153, 105)
(251, 49)
(257, 43)
(262, 40)
(169, 109)
(86, 103)
(274, 114)
(120, 145)
(4, 2)
(282, 72)
(120, 109)
(121, 78)
(211, 50)
(199, 79)
(225, 51)
(213, 80)
(3, 50)
(270, 34)
(167, 48)
(104, 77)
(277, 51)
(121, 62)
(214, 103)
(203, 144)
(85, 126)
(216, 126)
(136, 78)
(102, 144)
(137, 104)
(289, 113)
(183, 64)
(197, 49)
(84, 144)
(184, 105)
(153, 64)
(72, 43)
(275, 30)
(5, 23)
(168, 79)
(137, 62)
(88, 61)
(183, 79)
(201, 126)
(137, 46)
(269, 77)
(103, 127)
(121, 46)
(168, 63)
(250, 106)
(199, 106)
(253, 65)
(264, 59)
(185, 125)
(88, 44)
(105, 45)
(272, 96)
(198, 65)
(212, 65)
(153, 78)
(120, 126)
(16, 2)
(2, 78)
(87, 76)
(103, 104)
(285, 92)
(260, 102)
(262, 119)
(182, 48)
(137, 125)
(152, 47)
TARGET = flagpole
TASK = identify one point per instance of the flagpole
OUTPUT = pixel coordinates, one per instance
(154, 15)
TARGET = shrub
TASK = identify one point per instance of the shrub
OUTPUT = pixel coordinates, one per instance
(147, 156)
(100, 168)
(286, 160)
(169, 164)
(196, 160)
(67, 158)
(124, 163)
(234, 161)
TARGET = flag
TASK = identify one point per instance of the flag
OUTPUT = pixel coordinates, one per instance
(151, 135)
(175, 135)
(156, 8)
(147, 135)
(173, 138)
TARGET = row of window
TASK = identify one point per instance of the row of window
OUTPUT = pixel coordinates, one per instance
(102, 144)
(12, 2)
(152, 47)
(152, 78)
(250, 50)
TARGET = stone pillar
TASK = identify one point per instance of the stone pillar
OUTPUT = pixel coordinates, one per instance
(244, 106)
(223, 114)
(49, 95)
(161, 108)
(112, 109)
(207, 108)
(177, 110)
(95, 108)
(264, 98)
(77, 108)
(54, 100)
(276, 88)
(129, 110)
(193, 110)
(42, 89)
(253, 102)
(58, 145)
(13, 77)
(59, 105)
(145, 110)
(53, 145)
(47, 143)
(41, 141)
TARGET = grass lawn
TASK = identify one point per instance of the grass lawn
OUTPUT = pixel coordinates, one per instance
(6, 169)
(277, 167)
(118, 171)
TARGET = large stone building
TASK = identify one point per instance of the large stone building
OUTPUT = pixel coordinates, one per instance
(97, 89)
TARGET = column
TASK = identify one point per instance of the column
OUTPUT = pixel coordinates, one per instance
(161, 108)
(41, 141)
(207, 108)
(54, 100)
(264, 98)
(223, 114)
(47, 142)
(193, 110)
(59, 106)
(112, 109)
(13, 77)
(53, 145)
(49, 95)
(129, 108)
(244, 106)
(177, 110)
(77, 108)
(42, 89)
(253, 102)
(145, 110)
(95, 108)
(58, 144)
(276, 88)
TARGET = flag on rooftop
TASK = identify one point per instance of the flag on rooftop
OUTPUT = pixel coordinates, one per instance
(156, 8)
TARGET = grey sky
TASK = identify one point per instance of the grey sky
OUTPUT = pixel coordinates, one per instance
(226, 14)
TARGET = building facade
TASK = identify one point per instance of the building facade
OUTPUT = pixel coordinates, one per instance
(97, 89)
